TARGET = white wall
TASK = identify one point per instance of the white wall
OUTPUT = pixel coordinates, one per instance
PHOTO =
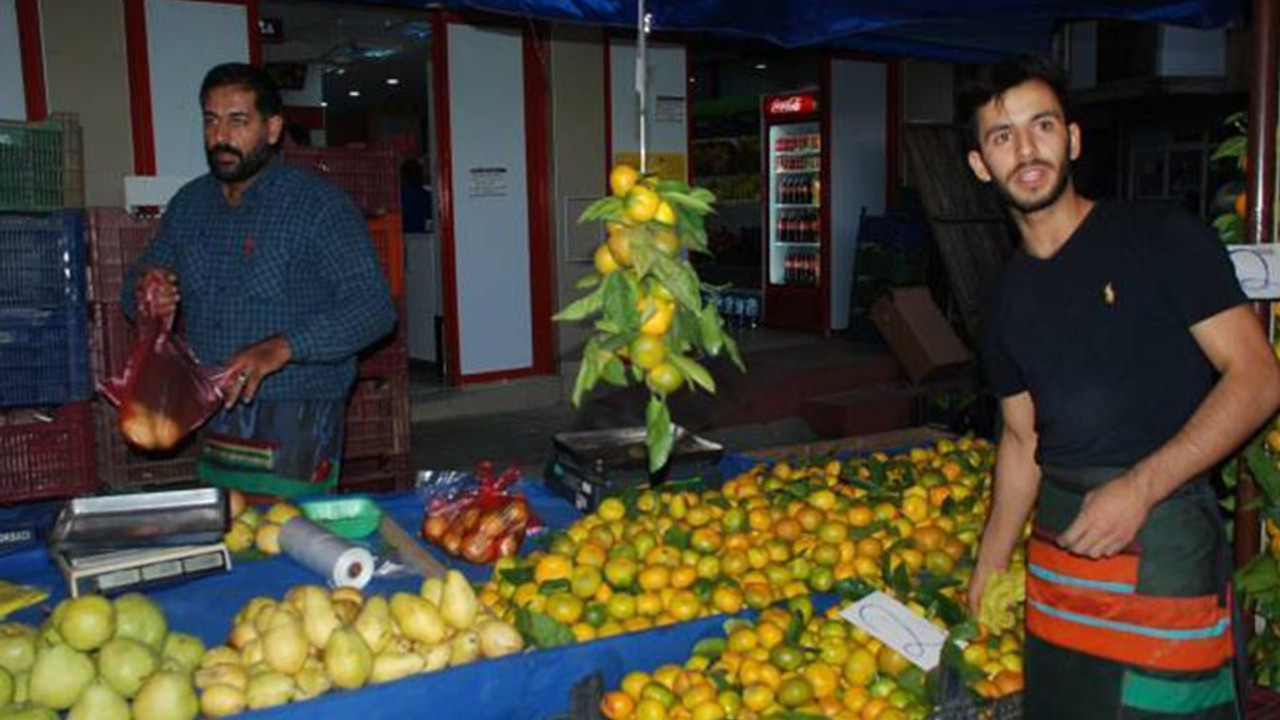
(13, 101)
(491, 233)
(858, 159)
(184, 40)
(666, 82)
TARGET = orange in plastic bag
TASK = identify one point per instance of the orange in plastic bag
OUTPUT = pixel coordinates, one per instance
(482, 524)
(163, 393)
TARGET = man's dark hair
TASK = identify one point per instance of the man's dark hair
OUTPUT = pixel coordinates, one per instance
(993, 81)
(265, 92)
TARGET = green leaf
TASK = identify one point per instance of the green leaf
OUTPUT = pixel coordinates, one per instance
(540, 630)
(1230, 228)
(693, 233)
(1263, 467)
(1258, 576)
(793, 715)
(694, 371)
(551, 587)
(613, 372)
(582, 307)
(659, 437)
(709, 330)
(517, 576)
(1232, 147)
(694, 203)
(643, 250)
(731, 347)
(680, 278)
(853, 589)
(677, 537)
(619, 301)
(606, 208)
(586, 282)
(669, 186)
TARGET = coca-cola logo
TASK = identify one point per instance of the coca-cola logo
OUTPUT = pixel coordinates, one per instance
(791, 105)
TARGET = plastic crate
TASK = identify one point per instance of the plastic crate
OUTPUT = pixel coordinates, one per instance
(122, 467)
(42, 260)
(43, 357)
(115, 240)
(376, 419)
(387, 234)
(111, 337)
(46, 454)
(390, 355)
(31, 166)
(72, 158)
(371, 176)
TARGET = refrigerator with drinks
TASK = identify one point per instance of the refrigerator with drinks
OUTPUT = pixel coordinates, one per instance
(793, 166)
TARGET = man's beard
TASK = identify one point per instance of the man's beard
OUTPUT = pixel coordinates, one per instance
(1026, 207)
(243, 170)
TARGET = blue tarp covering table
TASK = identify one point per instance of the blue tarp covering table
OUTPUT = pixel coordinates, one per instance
(530, 686)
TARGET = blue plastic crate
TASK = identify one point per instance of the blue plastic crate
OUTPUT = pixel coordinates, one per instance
(31, 166)
(42, 260)
(43, 357)
(44, 350)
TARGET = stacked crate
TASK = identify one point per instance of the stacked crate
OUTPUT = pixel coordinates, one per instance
(46, 425)
(376, 452)
(116, 241)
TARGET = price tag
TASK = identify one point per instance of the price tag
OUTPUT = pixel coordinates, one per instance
(1257, 269)
(897, 626)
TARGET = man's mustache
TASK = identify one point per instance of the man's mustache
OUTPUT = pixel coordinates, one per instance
(225, 149)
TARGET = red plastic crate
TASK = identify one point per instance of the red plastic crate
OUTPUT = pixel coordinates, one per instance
(116, 240)
(46, 453)
(371, 176)
(376, 418)
(387, 234)
(111, 337)
(123, 467)
(390, 355)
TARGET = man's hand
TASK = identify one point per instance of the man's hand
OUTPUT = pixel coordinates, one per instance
(981, 574)
(247, 369)
(164, 298)
(1109, 519)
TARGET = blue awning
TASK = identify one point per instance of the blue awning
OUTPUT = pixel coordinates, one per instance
(952, 30)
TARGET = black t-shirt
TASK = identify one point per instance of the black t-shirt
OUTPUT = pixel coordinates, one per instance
(1100, 332)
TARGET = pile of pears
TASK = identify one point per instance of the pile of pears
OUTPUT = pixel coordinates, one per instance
(314, 640)
(99, 659)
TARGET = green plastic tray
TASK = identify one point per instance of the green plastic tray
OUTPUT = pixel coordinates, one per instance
(350, 517)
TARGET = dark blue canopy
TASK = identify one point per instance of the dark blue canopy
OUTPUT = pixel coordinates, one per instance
(956, 30)
(948, 30)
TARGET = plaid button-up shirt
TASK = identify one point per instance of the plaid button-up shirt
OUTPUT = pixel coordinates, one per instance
(293, 259)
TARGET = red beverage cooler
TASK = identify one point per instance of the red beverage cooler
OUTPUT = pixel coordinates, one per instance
(796, 289)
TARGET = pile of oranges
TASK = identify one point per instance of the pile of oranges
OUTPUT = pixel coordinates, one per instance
(772, 534)
(762, 668)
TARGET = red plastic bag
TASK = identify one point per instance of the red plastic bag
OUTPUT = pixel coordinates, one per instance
(483, 522)
(163, 393)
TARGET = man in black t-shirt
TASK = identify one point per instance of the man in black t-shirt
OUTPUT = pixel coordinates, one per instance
(1127, 364)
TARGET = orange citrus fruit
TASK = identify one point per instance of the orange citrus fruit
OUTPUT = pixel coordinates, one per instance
(604, 260)
(617, 705)
(641, 204)
(665, 378)
(648, 351)
(665, 214)
(622, 179)
(655, 315)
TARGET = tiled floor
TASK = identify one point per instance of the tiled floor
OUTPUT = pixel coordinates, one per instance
(514, 421)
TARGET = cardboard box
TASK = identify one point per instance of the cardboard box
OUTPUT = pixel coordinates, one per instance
(920, 338)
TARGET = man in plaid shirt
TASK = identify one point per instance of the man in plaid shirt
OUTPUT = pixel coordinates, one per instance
(279, 285)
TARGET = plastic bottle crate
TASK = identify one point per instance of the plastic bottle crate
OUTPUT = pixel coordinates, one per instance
(46, 453)
(115, 240)
(376, 418)
(388, 473)
(31, 166)
(371, 176)
(122, 467)
(387, 234)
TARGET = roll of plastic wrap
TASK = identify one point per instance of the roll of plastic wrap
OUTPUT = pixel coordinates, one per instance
(343, 563)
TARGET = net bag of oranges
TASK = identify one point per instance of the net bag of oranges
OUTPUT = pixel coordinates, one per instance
(475, 516)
